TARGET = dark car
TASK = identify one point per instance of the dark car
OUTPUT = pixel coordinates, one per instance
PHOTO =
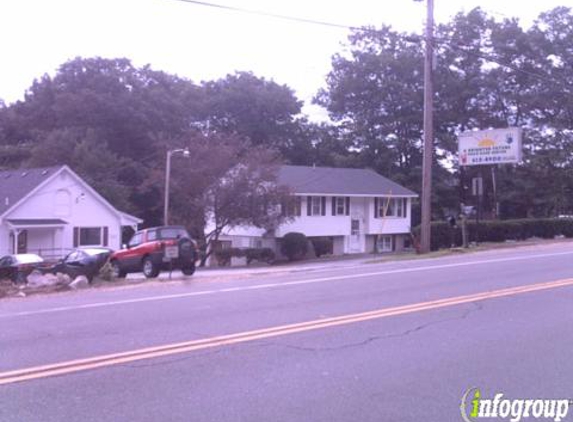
(18, 266)
(155, 249)
(83, 261)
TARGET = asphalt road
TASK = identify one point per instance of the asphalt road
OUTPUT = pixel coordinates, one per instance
(399, 341)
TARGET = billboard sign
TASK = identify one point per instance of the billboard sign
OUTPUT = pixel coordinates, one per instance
(484, 147)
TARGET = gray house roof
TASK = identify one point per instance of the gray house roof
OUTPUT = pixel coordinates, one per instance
(16, 184)
(339, 181)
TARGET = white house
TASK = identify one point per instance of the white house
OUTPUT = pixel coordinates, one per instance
(51, 210)
(359, 210)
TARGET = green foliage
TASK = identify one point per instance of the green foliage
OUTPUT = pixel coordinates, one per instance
(112, 123)
(259, 254)
(322, 245)
(294, 245)
(260, 110)
(374, 94)
(444, 236)
(223, 256)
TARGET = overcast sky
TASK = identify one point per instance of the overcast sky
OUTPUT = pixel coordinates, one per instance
(202, 43)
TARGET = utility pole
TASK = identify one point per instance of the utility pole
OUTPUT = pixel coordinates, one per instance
(428, 133)
(186, 154)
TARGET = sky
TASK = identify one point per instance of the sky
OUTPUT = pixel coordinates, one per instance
(203, 43)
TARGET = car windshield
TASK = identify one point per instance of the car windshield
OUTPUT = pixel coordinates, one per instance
(172, 233)
(94, 251)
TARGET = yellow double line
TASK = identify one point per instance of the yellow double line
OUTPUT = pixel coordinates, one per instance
(101, 361)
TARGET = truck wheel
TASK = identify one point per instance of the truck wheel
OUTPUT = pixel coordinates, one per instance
(188, 270)
(150, 270)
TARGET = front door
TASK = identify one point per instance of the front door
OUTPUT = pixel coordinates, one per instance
(357, 240)
(21, 246)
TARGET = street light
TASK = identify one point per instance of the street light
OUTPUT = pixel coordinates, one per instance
(186, 154)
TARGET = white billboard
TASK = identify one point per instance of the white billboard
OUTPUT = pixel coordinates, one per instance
(484, 147)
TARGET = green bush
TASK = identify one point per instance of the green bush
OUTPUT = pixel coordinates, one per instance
(443, 235)
(259, 254)
(322, 245)
(294, 245)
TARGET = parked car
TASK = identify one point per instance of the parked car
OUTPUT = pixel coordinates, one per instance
(17, 267)
(82, 261)
(155, 249)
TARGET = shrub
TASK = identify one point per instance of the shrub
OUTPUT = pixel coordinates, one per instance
(499, 231)
(259, 254)
(294, 245)
(106, 272)
(322, 245)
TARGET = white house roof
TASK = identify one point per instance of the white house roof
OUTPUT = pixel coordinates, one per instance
(339, 181)
(17, 185)
(129, 220)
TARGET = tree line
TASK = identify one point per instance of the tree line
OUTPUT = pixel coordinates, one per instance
(113, 122)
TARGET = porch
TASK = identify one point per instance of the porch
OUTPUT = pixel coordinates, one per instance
(44, 237)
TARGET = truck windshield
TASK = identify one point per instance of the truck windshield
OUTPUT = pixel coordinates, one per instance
(172, 233)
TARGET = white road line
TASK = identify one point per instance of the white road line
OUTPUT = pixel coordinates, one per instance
(280, 284)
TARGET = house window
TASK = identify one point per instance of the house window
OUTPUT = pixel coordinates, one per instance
(384, 243)
(90, 236)
(340, 205)
(316, 205)
(355, 227)
(292, 207)
(390, 207)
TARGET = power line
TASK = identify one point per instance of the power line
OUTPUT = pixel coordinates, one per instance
(408, 38)
(273, 15)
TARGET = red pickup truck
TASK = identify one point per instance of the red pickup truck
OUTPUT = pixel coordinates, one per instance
(155, 249)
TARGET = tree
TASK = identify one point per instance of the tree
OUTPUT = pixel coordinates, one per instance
(224, 183)
(88, 156)
(375, 95)
(106, 119)
(262, 111)
(247, 194)
(489, 74)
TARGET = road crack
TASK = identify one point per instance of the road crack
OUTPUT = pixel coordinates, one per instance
(476, 306)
